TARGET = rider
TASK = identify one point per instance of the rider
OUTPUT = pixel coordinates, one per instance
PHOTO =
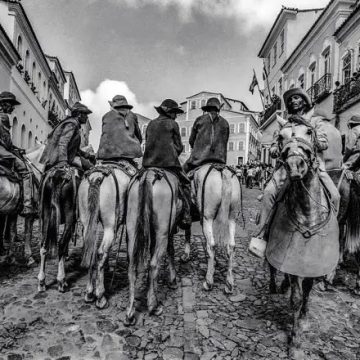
(121, 136)
(209, 137)
(163, 147)
(300, 111)
(352, 145)
(63, 143)
(10, 155)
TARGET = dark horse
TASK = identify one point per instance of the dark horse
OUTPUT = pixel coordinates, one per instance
(304, 234)
(58, 206)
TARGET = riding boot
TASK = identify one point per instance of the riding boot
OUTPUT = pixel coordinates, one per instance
(27, 194)
(185, 190)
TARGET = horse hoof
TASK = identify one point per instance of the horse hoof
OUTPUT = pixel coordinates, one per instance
(130, 320)
(89, 298)
(62, 286)
(229, 289)
(30, 261)
(321, 286)
(102, 303)
(207, 286)
(185, 258)
(157, 310)
(42, 287)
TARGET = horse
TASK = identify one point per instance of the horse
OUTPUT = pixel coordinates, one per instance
(102, 198)
(10, 203)
(153, 208)
(217, 193)
(303, 237)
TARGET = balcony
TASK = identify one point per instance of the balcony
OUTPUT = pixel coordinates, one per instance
(320, 89)
(271, 109)
(53, 119)
(347, 94)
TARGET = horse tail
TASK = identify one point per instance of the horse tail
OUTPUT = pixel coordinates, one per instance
(143, 222)
(90, 243)
(224, 209)
(352, 242)
(52, 220)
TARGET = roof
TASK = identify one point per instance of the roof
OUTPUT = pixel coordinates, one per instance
(347, 21)
(74, 81)
(308, 33)
(57, 61)
(283, 9)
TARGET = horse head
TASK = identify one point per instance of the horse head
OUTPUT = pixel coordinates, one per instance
(298, 152)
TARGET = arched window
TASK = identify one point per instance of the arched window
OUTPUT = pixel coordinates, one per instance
(312, 74)
(30, 139)
(27, 60)
(346, 67)
(36, 141)
(15, 130)
(44, 90)
(33, 73)
(19, 45)
(39, 82)
(23, 136)
(183, 131)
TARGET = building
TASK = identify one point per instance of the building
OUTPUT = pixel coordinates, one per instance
(243, 142)
(37, 80)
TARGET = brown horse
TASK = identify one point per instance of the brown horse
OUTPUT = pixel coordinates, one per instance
(153, 207)
(304, 234)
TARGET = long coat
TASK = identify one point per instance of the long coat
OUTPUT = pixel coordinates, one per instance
(163, 143)
(208, 139)
(6, 145)
(63, 143)
(120, 137)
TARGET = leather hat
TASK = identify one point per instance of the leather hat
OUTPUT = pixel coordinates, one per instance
(211, 104)
(299, 92)
(355, 119)
(8, 97)
(79, 107)
(169, 106)
(119, 101)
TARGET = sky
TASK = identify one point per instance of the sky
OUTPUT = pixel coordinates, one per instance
(150, 50)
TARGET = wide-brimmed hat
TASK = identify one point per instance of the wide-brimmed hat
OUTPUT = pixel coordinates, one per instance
(79, 107)
(119, 101)
(8, 97)
(355, 119)
(169, 106)
(211, 104)
(297, 91)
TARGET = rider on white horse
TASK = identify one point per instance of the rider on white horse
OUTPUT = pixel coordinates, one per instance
(121, 136)
(10, 155)
(300, 111)
(209, 137)
(162, 150)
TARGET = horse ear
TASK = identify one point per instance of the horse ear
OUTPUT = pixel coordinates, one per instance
(281, 121)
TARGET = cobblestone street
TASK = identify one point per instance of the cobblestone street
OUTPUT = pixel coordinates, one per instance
(249, 324)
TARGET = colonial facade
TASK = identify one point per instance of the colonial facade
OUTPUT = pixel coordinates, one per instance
(37, 80)
(322, 59)
(243, 142)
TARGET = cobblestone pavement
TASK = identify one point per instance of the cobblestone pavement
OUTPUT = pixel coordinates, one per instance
(250, 324)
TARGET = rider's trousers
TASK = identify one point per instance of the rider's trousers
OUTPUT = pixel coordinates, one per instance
(273, 188)
(21, 168)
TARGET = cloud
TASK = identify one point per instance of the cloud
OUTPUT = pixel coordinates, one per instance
(250, 14)
(98, 102)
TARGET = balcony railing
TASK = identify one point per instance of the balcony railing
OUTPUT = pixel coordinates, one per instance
(320, 89)
(347, 94)
(270, 110)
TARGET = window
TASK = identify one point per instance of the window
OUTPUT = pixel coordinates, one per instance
(312, 69)
(280, 86)
(346, 68)
(203, 102)
(193, 105)
(326, 59)
(183, 131)
(14, 130)
(241, 145)
(23, 136)
(232, 128)
(19, 45)
(241, 127)
(30, 139)
(33, 73)
(240, 160)
(27, 60)
(231, 146)
(274, 53)
(301, 81)
(282, 42)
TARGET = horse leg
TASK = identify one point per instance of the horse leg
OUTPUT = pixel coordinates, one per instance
(307, 286)
(10, 234)
(272, 284)
(130, 313)
(102, 256)
(296, 302)
(229, 286)
(357, 286)
(29, 222)
(172, 270)
(186, 256)
(41, 276)
(210, 243)
(155, 263)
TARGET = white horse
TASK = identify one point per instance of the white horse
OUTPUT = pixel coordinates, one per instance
(217, 194)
